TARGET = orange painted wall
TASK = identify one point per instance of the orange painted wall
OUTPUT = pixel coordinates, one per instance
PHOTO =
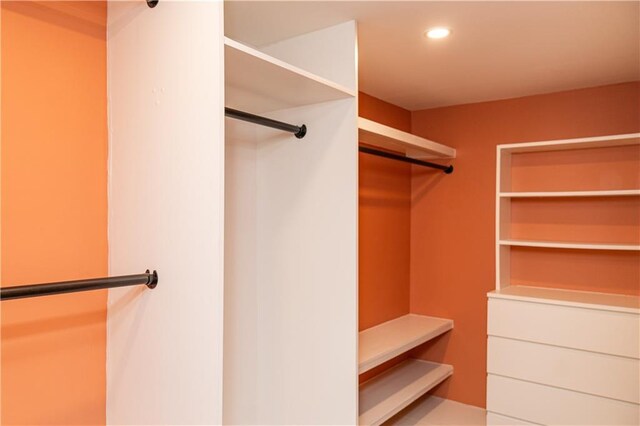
(452, 217)
(54, 210)
(384, 224)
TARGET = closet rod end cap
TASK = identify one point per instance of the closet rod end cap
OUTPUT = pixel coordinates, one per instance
(153, 279)
(301, 132)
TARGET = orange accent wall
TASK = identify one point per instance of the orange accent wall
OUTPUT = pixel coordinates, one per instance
(54, 210)
(453, 217)
(384, 224)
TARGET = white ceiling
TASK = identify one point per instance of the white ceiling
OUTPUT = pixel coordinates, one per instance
(497, 50)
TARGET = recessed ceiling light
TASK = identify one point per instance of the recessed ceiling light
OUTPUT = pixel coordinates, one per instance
(438, 32)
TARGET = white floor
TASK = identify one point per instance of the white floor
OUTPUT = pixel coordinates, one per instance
(431, 410)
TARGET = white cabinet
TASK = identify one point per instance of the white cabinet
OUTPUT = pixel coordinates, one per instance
(564, 355)
(290, 322)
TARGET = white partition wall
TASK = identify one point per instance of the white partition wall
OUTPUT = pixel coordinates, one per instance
(166, 180)
(291, 245)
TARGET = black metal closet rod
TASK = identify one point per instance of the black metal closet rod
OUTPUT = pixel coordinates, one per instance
(298, 131)
(385, 154)
(150, 279)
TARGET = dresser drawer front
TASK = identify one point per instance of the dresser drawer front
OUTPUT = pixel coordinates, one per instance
(608, 332)
(589, 372)
(553, 406)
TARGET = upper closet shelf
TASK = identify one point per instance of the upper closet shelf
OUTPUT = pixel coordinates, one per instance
(566, 194)
(257, 82)
(392, 338)
(582, 143)
(574, 298)
(413, 146)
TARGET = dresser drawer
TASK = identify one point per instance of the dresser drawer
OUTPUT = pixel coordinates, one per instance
(609, 332)
(553, 406)
(589, 372)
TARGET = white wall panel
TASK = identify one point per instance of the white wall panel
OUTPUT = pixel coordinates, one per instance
(165, 78)
(291, 323)
(328, 53)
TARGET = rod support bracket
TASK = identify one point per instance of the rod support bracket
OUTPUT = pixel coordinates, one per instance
(153, 279)
(303, 131)
(449, 170)
(152, 3)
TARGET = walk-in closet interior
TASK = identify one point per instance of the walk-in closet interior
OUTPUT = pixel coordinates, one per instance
(320, 213)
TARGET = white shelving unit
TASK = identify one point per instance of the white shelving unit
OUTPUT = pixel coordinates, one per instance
(505, 195)
(388, 393)
(281, 229)
(385, 341)
(532, 330)
(379, 135)
(259, 83)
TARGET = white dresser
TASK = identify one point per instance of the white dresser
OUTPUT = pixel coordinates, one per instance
(562, 357)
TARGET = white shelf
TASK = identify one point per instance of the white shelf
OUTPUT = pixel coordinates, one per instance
(385, 395)
(413, 146)
(258, 83)
(552, 194)
(566, 245)
(433, 410)
(385, 341)
(565, 144)
(574, 298)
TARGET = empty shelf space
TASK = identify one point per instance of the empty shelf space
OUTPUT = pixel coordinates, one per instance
(392, 338)
(575, 298)
(257, 82)
(385, 395)
(560, 194)
(567, 245)
(379, 135)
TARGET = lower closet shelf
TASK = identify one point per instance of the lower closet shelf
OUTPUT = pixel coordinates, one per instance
(385, 395)
(388, 340)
